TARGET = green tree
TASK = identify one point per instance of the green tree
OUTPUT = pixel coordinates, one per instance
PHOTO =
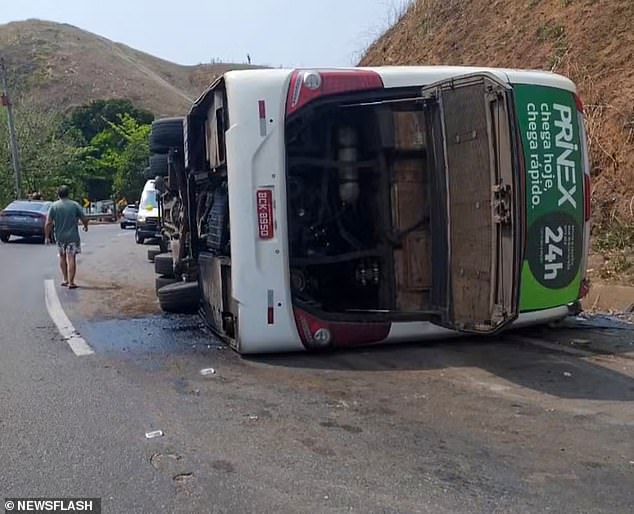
(119, 154)
(54, 150)
(129, 178)
(6, 171)
(95, 117)
(48, 155)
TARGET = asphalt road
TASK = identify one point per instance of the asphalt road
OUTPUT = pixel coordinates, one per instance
(536, 421)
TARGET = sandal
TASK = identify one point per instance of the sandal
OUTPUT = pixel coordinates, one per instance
(64, 284)
(72, 286)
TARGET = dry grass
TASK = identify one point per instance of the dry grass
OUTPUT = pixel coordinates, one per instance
(591, 41)
(61, 65)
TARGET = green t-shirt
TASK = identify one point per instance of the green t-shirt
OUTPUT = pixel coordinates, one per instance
(65, 215)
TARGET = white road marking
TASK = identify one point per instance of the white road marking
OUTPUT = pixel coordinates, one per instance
(77, 343)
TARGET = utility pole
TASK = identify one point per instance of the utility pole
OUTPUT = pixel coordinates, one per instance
(5, 101)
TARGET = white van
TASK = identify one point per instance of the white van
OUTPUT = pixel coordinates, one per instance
(340, 207)
(147, 220)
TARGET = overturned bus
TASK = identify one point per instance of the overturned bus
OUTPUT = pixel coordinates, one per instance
(310, 209)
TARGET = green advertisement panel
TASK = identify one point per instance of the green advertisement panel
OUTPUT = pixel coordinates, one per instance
(549, 126)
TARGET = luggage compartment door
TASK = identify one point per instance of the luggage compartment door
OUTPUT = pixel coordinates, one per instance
(475, 229)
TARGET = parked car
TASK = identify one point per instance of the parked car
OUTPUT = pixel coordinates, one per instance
(24, 218)
(128, 216)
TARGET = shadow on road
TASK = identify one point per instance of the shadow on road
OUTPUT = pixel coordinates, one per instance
(542, 369)
(25, 241)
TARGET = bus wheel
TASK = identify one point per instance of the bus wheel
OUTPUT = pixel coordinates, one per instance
(164, 265)
(180, 297)
(152, 253)
(166, 133)
(161, 282)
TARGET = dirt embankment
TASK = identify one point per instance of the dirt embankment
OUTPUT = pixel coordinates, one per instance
(591, 41)
(60, 66)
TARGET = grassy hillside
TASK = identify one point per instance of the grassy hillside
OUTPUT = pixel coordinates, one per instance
(591, 41)
(60, 65)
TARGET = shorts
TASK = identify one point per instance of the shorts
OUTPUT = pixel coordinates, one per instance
(68, 248)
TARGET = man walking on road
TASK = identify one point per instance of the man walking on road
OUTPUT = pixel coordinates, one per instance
(64, 215)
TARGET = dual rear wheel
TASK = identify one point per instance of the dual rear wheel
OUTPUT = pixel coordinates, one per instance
(173, 294)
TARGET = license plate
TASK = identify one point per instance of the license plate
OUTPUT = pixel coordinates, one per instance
(19, 218)
(264, 198)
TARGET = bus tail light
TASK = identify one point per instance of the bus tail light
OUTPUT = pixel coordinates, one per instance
(316, 333)
(584, 289)
(587, 197)
(579, 103)
(307, 85)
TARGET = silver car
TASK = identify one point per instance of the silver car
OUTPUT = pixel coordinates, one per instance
(128, 216)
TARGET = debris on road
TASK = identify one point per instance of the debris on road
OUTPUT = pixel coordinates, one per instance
(159, 460)
(580, 342)
(207, 371)
(567, 374)
(595, 322)
(153, 434)
(338, 404)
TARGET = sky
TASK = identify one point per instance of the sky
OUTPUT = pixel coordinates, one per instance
(293, 33)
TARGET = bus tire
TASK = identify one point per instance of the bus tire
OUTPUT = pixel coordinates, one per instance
(152, 253)
(166, 133)
(180, 297)
(161, 282)
(158, 166)
(164, 264)
(149, 174)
